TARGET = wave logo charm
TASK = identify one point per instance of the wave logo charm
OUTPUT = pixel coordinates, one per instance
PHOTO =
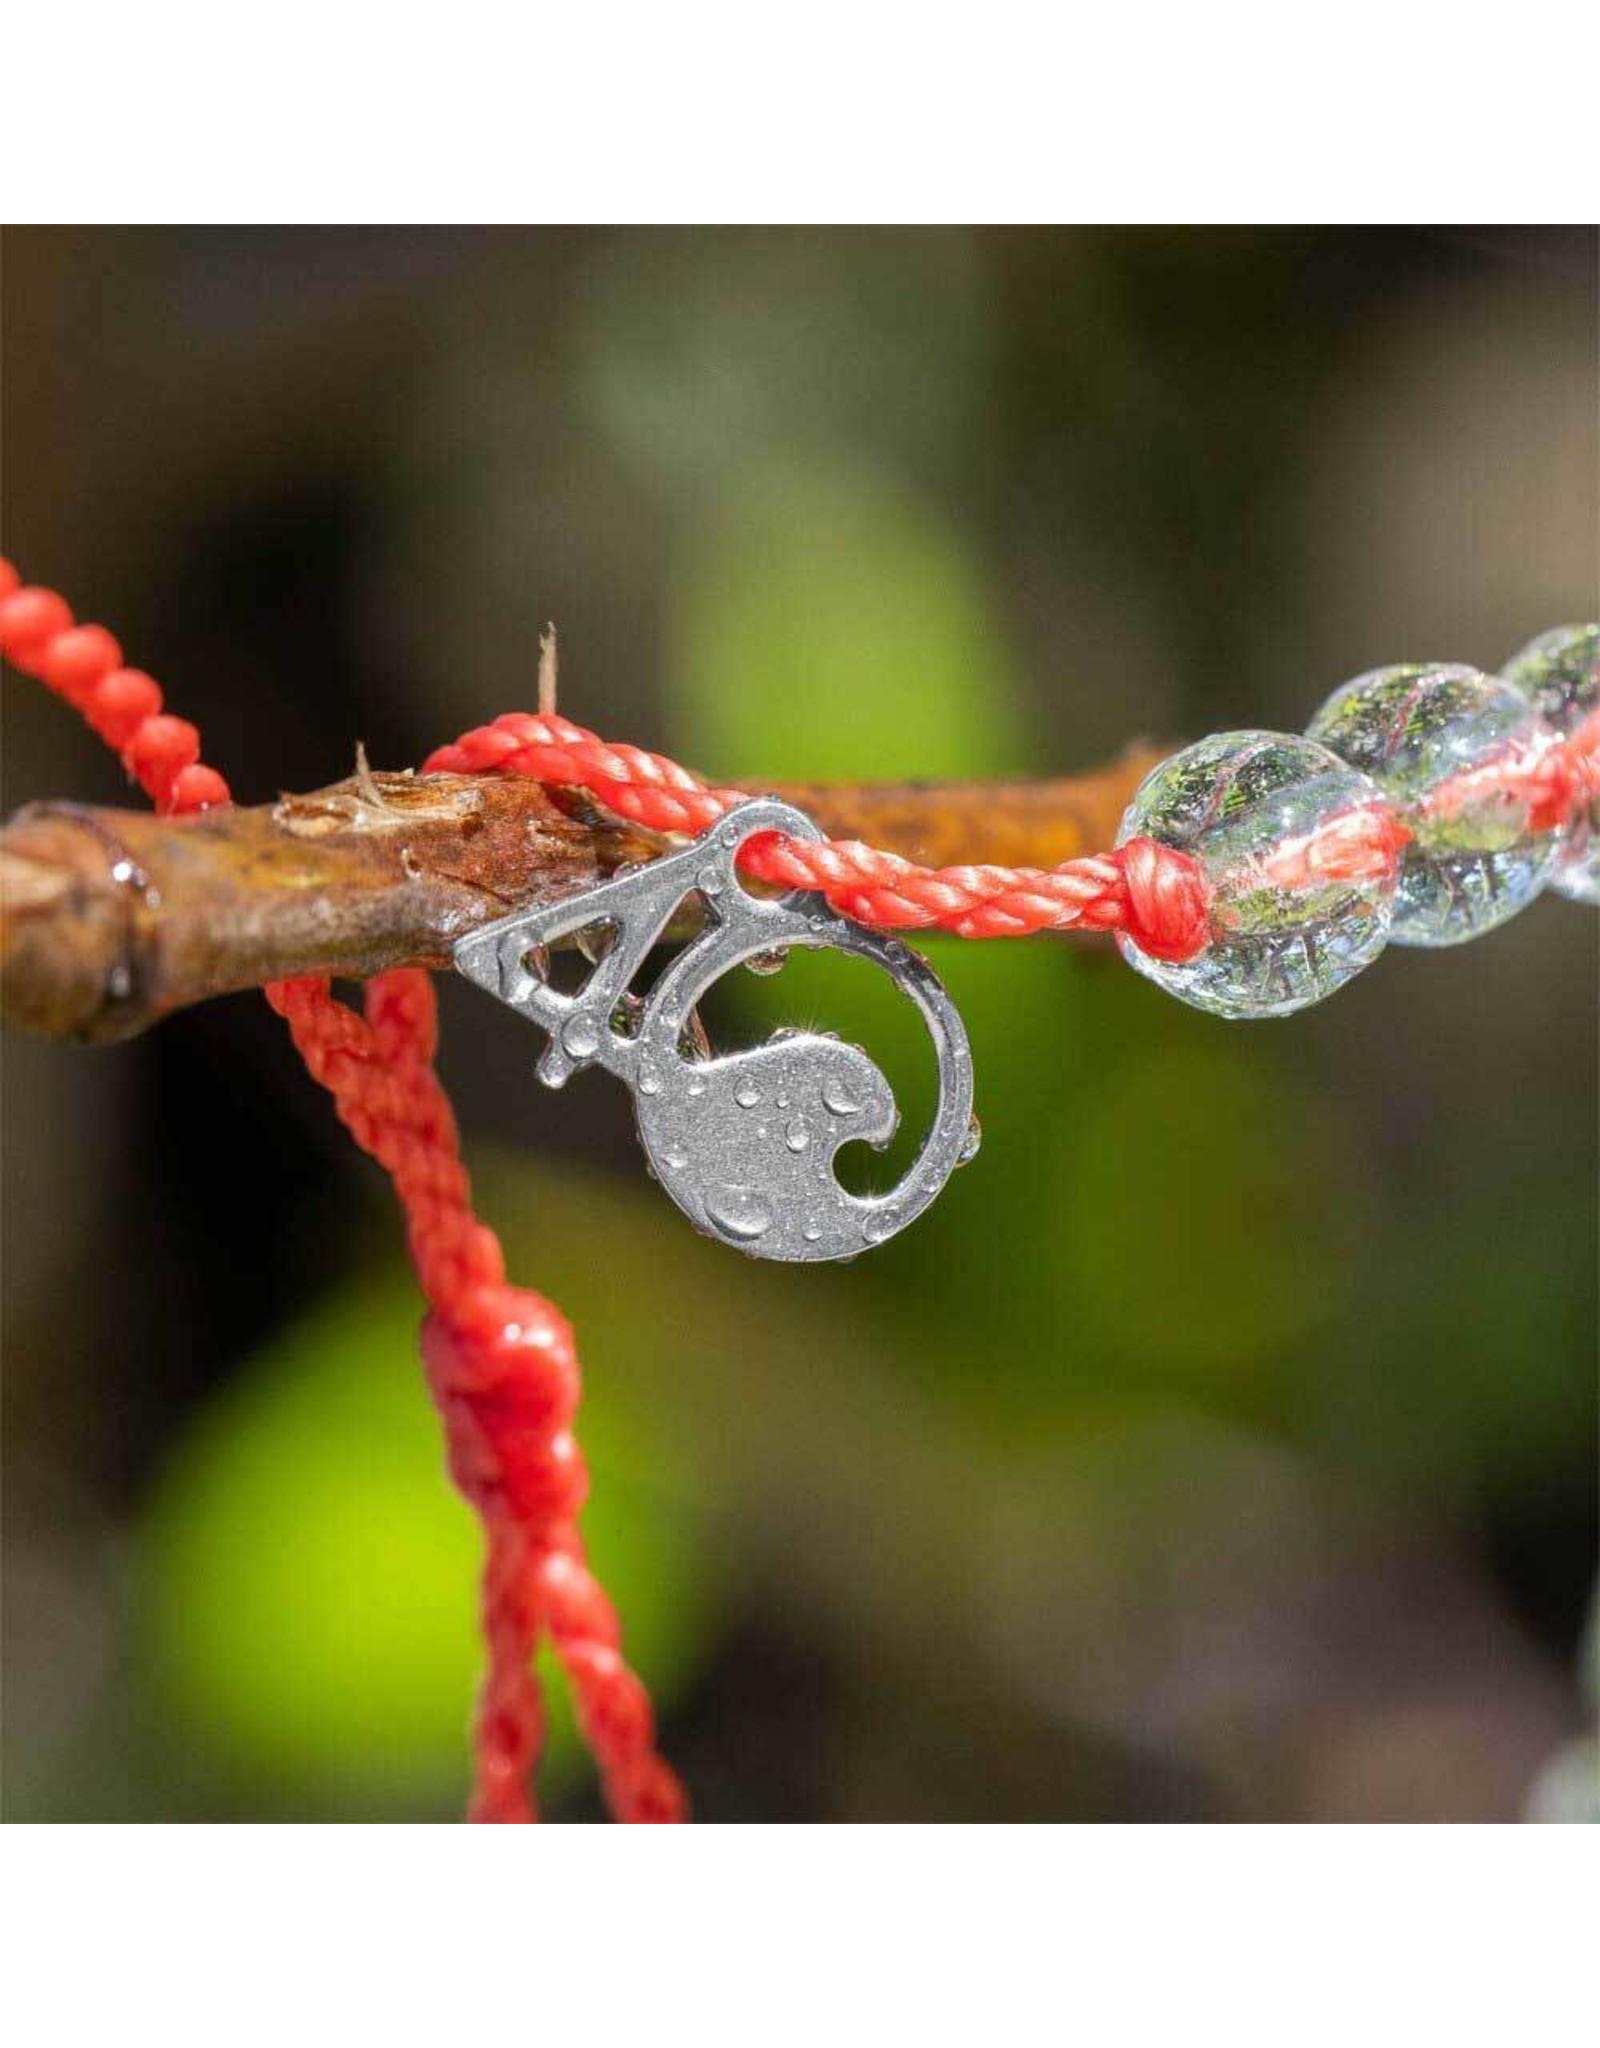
(742, 1141)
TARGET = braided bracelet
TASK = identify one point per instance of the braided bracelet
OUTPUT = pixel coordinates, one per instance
(1254, 873)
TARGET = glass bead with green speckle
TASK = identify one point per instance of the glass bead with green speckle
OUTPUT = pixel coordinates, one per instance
(1287, 927)
(1450, 748)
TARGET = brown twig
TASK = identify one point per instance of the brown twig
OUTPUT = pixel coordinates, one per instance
(110, 919)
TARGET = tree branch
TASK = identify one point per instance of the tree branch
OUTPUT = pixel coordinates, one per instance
(110, 919)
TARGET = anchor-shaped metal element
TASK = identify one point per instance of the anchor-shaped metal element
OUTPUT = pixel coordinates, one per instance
(744, 1141)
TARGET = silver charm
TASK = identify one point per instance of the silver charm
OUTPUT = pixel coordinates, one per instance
(744, 1141)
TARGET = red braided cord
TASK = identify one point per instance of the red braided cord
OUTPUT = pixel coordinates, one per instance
(1158, 895)
(123, 705)
(1155, 894)
(504, 1372)
(500, 1360)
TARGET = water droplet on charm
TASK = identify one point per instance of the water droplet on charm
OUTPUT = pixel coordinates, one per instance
(580, 1038)
(880, 1224)
(747, 1094)
(675, 1157)
(696, 1087)
(729, 835)
(812, 1233)
(797, 1137)
(710, 882)
(649, 1081)
(741, 1212)
(767, 963)
(971, 1142)
(839, 1096)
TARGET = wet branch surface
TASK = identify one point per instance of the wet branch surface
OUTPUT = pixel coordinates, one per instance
(111, 919)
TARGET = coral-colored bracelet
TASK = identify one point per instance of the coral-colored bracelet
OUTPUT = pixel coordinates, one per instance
(1255, 873)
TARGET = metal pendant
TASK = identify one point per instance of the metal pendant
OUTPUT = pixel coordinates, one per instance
(742, 1141)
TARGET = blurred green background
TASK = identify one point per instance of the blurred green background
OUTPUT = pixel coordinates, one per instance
(1222, 1445)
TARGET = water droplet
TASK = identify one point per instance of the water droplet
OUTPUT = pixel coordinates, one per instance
(783, 1102)
(880, 1224)
(747, 1094)
(649, 1081)
(580, 1037)
(797, 1137)
(710, 882)
(729, 835)
(812, 1233)
(767, 963)
(537, 962)
(971, 1142)
(839, 1096)
(697, 1087)
(675, 1157)
(741, 1212)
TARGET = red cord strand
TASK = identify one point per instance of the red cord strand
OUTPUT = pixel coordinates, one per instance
(503, 1369)
(500, 1360)
(1158, 896)
(1546, 779)
(83, 664)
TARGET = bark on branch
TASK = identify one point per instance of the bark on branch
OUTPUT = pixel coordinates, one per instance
(110, 919)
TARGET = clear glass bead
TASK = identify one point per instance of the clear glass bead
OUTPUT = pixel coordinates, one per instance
(1455, 752)
(1299, 851)
(1560, 671)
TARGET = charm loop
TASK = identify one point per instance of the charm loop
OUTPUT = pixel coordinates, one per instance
(742, 1141)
